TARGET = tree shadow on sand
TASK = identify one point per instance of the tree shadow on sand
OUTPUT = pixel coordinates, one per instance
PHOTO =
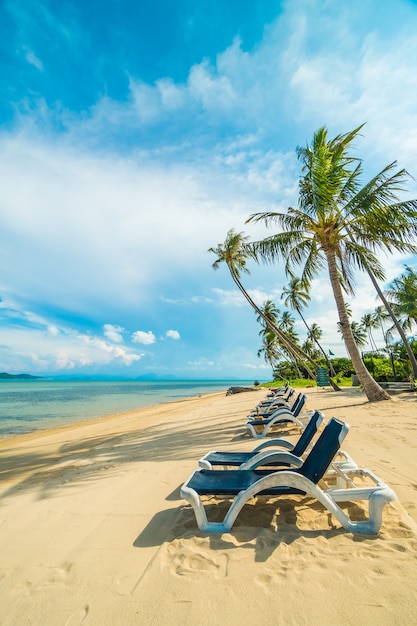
(86, 460)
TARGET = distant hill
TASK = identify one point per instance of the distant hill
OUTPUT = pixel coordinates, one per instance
(6, 376)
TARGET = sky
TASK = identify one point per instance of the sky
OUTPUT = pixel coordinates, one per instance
(135, 133)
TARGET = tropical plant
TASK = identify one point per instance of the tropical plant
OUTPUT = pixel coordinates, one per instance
(397, 324)
(233, 252)
(402, 294)
(310, 347)
(358, 332)
(297, 297)
(340, 225)
(269, 349)
(370, 321)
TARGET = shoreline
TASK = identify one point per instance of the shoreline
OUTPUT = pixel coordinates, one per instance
(93, 525)
(98, 419)
(31, 407)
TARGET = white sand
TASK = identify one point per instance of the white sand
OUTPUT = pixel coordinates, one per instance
(93, 529)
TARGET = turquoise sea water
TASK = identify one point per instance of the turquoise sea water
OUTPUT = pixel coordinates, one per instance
(27, 406)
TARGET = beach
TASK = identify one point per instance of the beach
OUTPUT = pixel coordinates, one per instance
(93, 529)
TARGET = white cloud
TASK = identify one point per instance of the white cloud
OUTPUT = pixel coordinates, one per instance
(101, 232)
(33, 60)
(146, 338)
(173, 334)
(236, 298)
(113, 332)
(201, 363)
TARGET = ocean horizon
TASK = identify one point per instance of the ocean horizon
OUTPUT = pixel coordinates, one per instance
(32, 405)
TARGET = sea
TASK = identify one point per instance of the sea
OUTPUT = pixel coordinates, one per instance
(32, 405)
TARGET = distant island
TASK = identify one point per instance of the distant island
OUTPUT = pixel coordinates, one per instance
(6, 376)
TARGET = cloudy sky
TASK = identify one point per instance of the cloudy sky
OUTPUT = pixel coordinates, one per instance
(135, 133)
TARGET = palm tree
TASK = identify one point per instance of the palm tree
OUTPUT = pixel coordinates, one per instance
(297, 297)
(402, 294)
(370, 321)
(397, 324)
(310, 347)
(286, 322)
(358, 332)
(340, 225)
(271, 346)
(381, 314)
(234, 253)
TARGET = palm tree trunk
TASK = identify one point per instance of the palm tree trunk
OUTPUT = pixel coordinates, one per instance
(397, 324)
(290, 346)
(373, 391)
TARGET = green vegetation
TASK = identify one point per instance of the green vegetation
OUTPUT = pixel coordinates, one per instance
(339, 227)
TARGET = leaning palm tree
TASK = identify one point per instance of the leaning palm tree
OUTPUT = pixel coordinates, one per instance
(270, 349)
(370, 321)
(340, 225)
(234, 253)
(297, 297)
(381, 314)
(271, 346)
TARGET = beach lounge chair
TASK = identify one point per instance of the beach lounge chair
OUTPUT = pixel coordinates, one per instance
(277, 398)
(277, 404)
(277, 391)
(263, 409)
(301, 479)
(250, 460)
(282, 415)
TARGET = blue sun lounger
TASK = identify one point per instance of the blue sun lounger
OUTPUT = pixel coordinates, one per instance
(303, 478)
(260, 427)
(277, 398)
(250, 460)
(263, 410)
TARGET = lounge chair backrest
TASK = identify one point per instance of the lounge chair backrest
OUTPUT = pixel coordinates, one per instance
(324, 450)
(298, 404)
(308, 434)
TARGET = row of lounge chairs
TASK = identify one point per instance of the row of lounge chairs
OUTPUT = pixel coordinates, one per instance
(277, 467)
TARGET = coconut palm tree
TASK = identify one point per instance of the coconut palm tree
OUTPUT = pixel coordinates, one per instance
(358, 331)
(397, 324)
(381, 314)
(370, 321)
(340, 225)
(402, 294)
(297, 297)
(310, 347)
(271, 346)
(234, 253)
(286, 322)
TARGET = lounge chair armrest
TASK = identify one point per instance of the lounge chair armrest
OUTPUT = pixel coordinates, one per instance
(265, 457)
(278, 443)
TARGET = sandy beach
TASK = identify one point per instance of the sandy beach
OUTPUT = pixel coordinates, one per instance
(93, 529)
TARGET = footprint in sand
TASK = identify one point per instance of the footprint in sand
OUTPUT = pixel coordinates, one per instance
(185, 560)
(78, 617)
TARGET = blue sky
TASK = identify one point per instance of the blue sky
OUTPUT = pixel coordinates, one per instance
(135, 134)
